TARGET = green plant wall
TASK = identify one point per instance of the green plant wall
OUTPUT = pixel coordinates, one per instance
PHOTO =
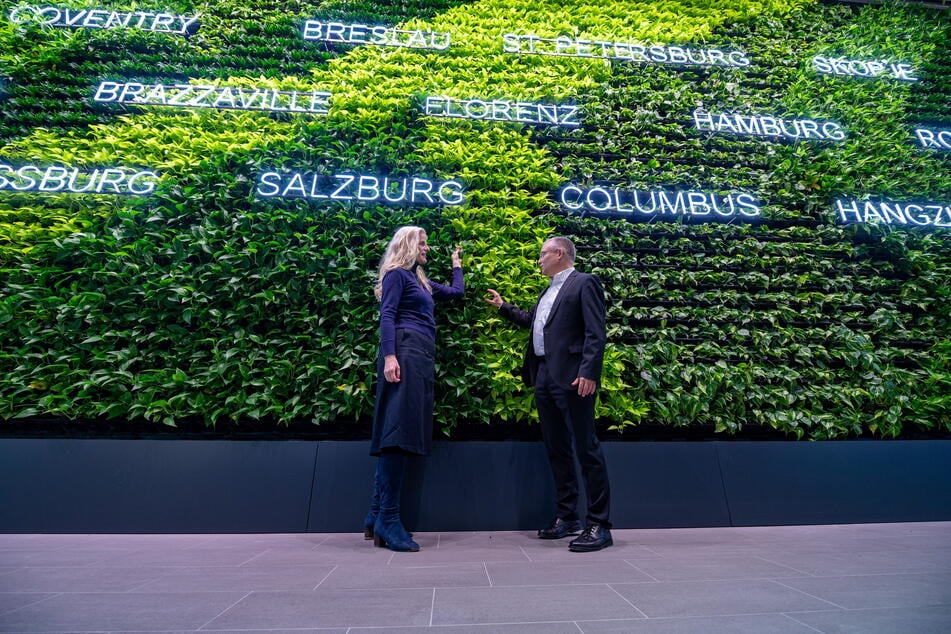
(206, 302)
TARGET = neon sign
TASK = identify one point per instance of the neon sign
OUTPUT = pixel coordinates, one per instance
(56, 179)
(103, 19)
(360, 188)
(927, 214)
(497, 110)
(376, 35)
(860, 68)
(937, 139)
(633, 205)
(798, 129)
(191, 96)
(658, 54)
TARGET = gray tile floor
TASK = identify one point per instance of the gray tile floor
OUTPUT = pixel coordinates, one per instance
(851, 578)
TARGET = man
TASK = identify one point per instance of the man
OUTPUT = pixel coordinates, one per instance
(563, 362)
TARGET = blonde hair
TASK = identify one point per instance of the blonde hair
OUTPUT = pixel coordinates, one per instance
(401, 253)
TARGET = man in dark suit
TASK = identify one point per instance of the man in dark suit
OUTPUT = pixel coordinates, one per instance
(563, 363)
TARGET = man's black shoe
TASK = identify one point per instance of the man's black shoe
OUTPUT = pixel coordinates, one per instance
(560, 528)
(594, 537)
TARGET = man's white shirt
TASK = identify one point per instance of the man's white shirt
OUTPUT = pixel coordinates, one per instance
(544, 310)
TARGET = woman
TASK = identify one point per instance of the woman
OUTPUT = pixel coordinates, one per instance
(403, 415)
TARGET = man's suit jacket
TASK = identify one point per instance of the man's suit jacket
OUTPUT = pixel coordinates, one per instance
(574, 333)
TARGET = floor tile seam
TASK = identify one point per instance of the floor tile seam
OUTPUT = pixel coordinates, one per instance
(861, 557)
(702, 560)
(259, 555)
(798, 622)
(469, 545)
(812, 547)
(859, 575)
(903, 606)
(159, 568)
(210, 631)
(229, 567)
(432, 608)
(320, 587)
(699, 617)
(619, 619)
(776, 563)
(485, 567)
(706, 563)
(473, 562)
(49, 596)
(626, 600)
(646, 547)
(225, 611)
(575, 564)
(496, 585)
(647, 574)
(575, 560)
(730, 578)
(115, 567)
(474, 565)
(696, 617)
(842, 611)
(735, 614)
(174, 593)
(704, 581)
(832, 603)
(525, 553)
(158, 574)
(327, 537)
(546, 586)
(326, 576)
(428, 586)
(74, 632)
(488, 623)
(141, 587)
(298, 591)
(875, 608)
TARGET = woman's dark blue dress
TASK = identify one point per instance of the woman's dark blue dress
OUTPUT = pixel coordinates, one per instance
(403, 413)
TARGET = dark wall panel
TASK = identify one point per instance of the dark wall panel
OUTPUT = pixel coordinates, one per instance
(481, 486)
(837, 482)
(461, 486)
(342, 484)
(174, 486)
(660, 485)
(129, 486)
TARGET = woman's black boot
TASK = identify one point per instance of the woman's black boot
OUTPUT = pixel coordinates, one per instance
(388, 530)
(370, 519)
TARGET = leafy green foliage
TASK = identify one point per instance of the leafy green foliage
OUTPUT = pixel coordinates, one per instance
(205, 302)
(799, 325)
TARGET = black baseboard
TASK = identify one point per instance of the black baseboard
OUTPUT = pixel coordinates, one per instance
(70, 485)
